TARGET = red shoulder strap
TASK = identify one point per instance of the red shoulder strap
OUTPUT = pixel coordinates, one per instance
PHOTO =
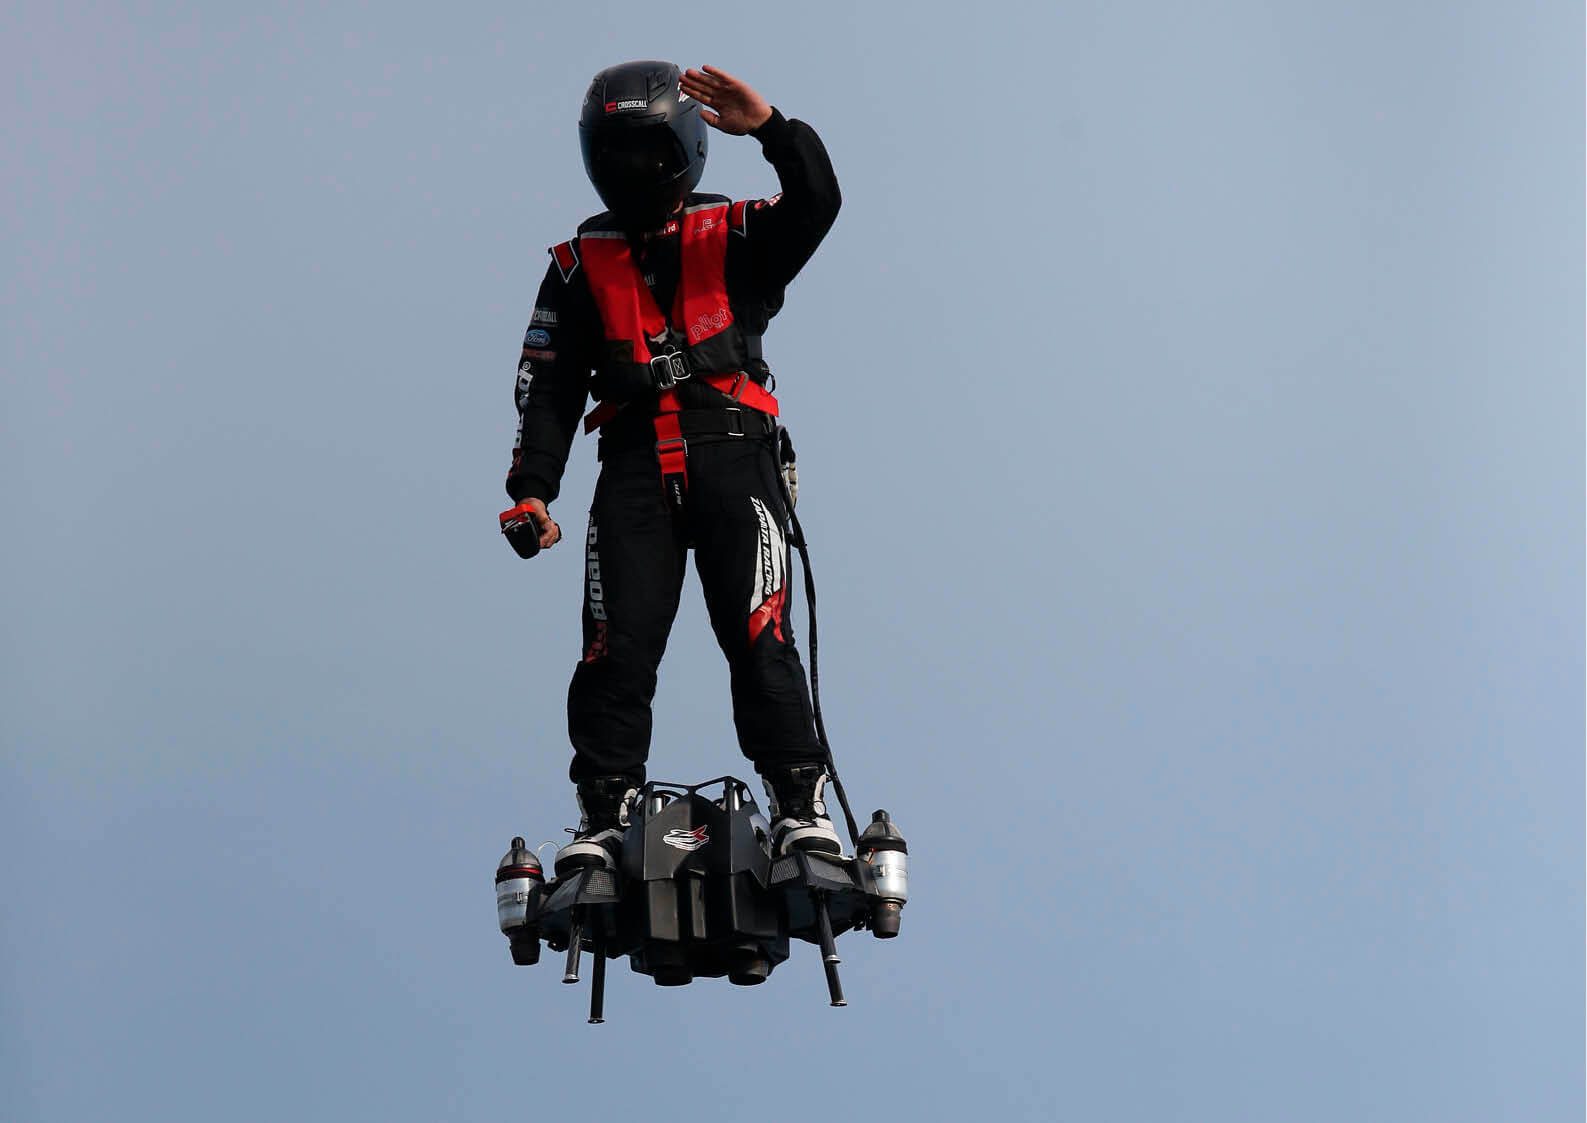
(702, 294)
(627, 309)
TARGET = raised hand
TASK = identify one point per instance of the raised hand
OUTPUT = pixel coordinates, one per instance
(734, 106)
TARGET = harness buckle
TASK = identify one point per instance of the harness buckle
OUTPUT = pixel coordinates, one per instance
(667, 370)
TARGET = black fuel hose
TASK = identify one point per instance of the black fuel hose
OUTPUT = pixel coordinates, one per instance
(802, 545)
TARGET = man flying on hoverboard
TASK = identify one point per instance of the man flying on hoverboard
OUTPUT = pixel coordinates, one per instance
(664, 296)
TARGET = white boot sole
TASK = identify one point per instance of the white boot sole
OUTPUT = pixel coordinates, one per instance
(809, 836)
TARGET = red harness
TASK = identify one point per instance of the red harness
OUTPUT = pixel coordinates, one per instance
(700, 310)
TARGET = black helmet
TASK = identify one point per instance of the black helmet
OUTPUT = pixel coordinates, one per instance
(643, 141)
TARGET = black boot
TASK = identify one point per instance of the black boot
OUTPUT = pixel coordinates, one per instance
(798, 813)
(604, 803)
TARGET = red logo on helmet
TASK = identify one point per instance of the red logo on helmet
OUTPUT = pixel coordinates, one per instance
(611, 107)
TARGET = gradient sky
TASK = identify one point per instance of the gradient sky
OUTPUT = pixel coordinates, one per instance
(1190, 409)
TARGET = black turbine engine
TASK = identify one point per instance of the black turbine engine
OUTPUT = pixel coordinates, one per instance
(698, 894)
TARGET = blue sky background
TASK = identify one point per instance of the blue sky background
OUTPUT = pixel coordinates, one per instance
(1190, 408)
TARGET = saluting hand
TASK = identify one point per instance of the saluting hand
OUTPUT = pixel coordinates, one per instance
(737, 107)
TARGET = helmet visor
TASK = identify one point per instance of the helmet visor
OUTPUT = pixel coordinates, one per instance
(633, 161)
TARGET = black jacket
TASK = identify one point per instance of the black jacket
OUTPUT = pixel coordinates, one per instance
(564, 334)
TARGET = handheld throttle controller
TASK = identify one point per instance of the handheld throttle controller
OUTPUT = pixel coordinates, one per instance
(522, 529)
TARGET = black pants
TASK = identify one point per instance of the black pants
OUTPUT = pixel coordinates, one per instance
(733, 515)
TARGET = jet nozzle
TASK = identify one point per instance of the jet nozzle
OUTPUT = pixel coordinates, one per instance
(884, 860)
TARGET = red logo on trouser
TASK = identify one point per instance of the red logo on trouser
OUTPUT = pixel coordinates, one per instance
(597, 646)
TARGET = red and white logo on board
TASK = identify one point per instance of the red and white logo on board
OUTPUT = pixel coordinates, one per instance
(690, 840)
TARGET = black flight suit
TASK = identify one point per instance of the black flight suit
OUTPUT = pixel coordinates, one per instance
(733, 512)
